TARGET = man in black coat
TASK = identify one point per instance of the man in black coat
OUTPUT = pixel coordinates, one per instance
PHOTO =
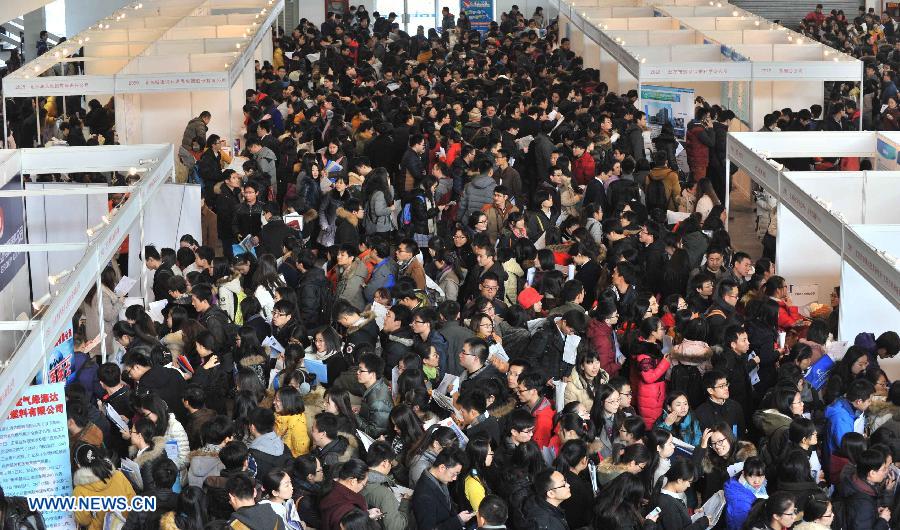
(432, 504)
(161, 381)
(228, 198)
(587, 271)
(164, 473)
(545, 351)
(213, 318)
(163, 269)
(551, 489)
(476, 368)
(720, 407)
(864, 502)
(273, 233)
(734, 364)
(653, 257)
(311, 290)
(472, 406)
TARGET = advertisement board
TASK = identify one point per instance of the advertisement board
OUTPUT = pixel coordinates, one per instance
(60, 359)
(671, 105)
(480, 13)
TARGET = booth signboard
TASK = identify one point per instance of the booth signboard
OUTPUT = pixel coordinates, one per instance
(12, 232)
(60, 359)
(736, 96)
(480, 13)
(888, 154)
(34, 450)
(670, 105)
(803, 295)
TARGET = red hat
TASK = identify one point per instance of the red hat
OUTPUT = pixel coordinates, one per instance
(529, 296)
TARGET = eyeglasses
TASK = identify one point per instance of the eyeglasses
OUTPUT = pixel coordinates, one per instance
(486, 325)
(278, 314)
(790, 514)
(418, 322)
(482, 222)
(625, 394)
(490, 287)
(723, 385)
(521, 390)
(718, 443)
(827, 515)
(361, 371)
(563, 485)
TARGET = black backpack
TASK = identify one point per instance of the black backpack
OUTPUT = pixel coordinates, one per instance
(656, 196)
(20, 517)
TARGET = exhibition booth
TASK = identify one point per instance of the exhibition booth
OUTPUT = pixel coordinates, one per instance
(834, 228)
(163, 62)
(720, 52)
(37, 331)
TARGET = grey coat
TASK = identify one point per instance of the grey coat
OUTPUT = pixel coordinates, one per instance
(455, 336)
(194, 129)
(379, 216)
(266, 161)
(378, 494)
(476, 194)
(350, 285)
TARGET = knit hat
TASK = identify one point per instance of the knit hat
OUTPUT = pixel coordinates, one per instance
(528, 297)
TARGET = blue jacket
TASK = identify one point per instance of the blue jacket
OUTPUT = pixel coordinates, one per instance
(840, 416)
(690, 428)
(738, 501)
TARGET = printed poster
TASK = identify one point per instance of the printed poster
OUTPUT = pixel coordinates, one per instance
(664, 105)
(480, 12)
(34, 450)
(60, 358)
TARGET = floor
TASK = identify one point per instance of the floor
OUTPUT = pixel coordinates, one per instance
(742, 224)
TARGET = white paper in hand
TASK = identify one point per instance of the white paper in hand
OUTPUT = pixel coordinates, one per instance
(154, 309)
(496, 350)
(124, 286)
(116, 418)
(365, 439)
(560, 394)
(172, 450)
(447, 384)
(859, 424)
(571, 348)
(275, 347)
(754, 376)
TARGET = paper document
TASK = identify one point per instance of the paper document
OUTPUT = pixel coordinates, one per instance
(91, 344)
(570, 349)
(172, 450)
(116, 418)
(712, 508)
(684, 446)
(400, 492)
(837, 348)
(124, 286)
(155, 309)
(443, 401)
(274, 346)
(560, 394)
(365, 439)
(448, 385)
(735, 469)
(317, 368)
(132, 471)
(312, 57)
(496, 350)
(523, 142)
(463, 439)
(395, 376)
(294, 221)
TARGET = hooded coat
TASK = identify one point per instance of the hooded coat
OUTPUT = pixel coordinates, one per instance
(269, 452)
(293, 432)
(347, 228)
(256, 517)
(476, 195)
(337, 503)
(378, 494)
(204, 462)
(86, 484)
(669, 179)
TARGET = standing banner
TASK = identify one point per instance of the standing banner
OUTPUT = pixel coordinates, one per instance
(12, 232)
(60, 359)
(671, 105)
(480, 13)
(34, 450)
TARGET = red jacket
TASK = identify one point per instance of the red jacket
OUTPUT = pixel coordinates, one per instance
(543, 422)
(583, 169)
(601, 336)
(788, 315)
(648, 381)
(699, 140)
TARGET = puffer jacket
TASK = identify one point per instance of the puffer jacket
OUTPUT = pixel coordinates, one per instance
(89, 485)
(669, 179)
(514, 278)
(384, 274)
(204, 462)
(475, 195)
(738, 501)
(601, 336)
(195, 130)
(699, 141)
(293, 432)
(228, 295)
(376, 409)
(577, 389)
(861, 501)
(379, 216)
(648, 380)
(351, 283)
(145, 461)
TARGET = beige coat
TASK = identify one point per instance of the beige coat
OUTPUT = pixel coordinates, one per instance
(576, 390)
(112, 304)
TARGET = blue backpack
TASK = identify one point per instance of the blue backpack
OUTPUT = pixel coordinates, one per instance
(404, 220)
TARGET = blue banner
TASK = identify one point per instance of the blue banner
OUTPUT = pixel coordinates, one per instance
(818, 373)
(480, 13)
(34, 450)
(12, 232)
(60, 359)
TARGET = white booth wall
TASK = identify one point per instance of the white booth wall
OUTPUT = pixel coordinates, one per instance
(16, 294)
(863, 307)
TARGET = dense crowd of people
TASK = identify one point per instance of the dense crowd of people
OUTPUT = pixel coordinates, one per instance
(440, 288)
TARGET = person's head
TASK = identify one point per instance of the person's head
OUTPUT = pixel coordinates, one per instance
(859, 395)
(736, 338)
(754, 472)
(529, 388)
(722, 440)
(217, 431)
(448, 464)
(521, 426)
(277, 485)
(262, 421)
(241, 491)
(351, 474)
(777, 512)
(324, 429)
(635, 458)
(802, 432)
(887, 344)
(288, 401)
(818, 509)
(474, 354)
(551, 486)
(308, 468)
(716, 384)
(379, 456)
(492, 512)
(871, 466)
(234, 456)
(680, 475)
(631, 431)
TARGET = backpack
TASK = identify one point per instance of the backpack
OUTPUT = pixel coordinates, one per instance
(656, 196)
(19, 517)
(404, 218)
(238, 298)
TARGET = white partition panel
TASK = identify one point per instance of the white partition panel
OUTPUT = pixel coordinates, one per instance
(882, 195)
(863, 306)
(59, 219)
(796, 244)
(842, 191)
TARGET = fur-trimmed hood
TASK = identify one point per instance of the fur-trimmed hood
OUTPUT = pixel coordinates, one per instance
(405, 341)
(159, 447)
(348, 216)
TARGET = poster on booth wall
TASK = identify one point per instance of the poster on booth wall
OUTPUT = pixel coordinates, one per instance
(60, 359)
(480, 13)
(12, 232)
(34, 450)
(888, 155)
(671, 105)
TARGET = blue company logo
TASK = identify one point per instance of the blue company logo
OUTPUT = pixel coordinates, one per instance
(886, 150)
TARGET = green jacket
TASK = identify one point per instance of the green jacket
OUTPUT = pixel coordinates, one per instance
(378, 494)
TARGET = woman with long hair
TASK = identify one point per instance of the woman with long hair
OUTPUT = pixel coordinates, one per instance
(718, 449)
(112, 305)
(678, 418)
(602, 334)
(572, 462)
(337, 402)
(476, 485)
(244, 403)
(378, 199)
(212, 373)
(606, 417)
(95, 475)
(587, 376)
(660, 442)
(154, 408)
(818, 513)
(421, 455)
(762, 331)
(621, 504)
(851, 367)
(250, 354)
(191, 512)
(525, 462)
(279, 492)
(349, 480)
(778, 512)
(265, 281)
